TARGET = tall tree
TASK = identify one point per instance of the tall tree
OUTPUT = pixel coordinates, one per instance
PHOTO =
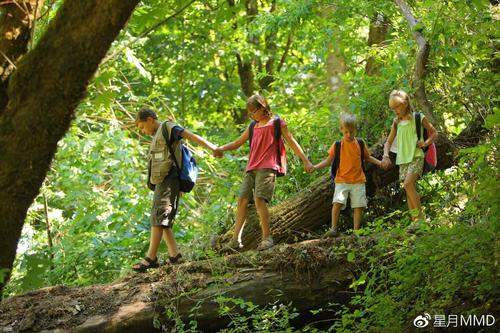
(40, 99)
(271, 58)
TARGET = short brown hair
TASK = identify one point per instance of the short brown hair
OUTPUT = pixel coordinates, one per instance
(348, 121)
(144, 114)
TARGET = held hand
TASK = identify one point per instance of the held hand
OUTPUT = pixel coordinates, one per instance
(309, 167)
(379, 164)
(386, 163)
(421, 144)
(218, 153)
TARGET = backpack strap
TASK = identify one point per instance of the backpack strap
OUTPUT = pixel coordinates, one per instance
(361, 144)
(336, 160)
(170, 140)
(277, 137)
(418, 125)
(250, 132)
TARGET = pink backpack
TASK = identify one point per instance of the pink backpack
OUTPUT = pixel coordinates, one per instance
(430, 152)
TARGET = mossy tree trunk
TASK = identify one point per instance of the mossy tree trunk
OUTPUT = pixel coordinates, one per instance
(41, 96)
(310, 209)
(309, 275)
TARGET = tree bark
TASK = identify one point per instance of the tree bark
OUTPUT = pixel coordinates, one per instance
(310, 209)
(42, 95)
(309, 275)
(16, 27)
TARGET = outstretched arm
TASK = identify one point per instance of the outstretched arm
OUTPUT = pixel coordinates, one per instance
(296, 148)
(326, 162)
(371, 159)
(198, 139)
(386, 162)
(237, 143)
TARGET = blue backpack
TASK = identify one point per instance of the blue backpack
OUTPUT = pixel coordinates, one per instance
(188, 170)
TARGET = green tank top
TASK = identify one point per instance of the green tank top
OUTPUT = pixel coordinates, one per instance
(407, 141)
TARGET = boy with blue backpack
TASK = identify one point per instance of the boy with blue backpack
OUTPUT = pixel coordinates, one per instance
(171, 171)
(346, 159)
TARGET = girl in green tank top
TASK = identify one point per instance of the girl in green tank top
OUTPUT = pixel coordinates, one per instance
(410, 154)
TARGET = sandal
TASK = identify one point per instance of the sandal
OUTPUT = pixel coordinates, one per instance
(141, 267)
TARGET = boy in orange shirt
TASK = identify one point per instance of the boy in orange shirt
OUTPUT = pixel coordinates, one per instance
(347, 172)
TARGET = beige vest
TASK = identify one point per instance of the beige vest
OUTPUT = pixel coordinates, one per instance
(159, 154)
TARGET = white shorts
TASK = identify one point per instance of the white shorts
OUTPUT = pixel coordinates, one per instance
(357, 192)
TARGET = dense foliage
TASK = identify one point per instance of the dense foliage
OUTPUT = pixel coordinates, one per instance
(91, 220)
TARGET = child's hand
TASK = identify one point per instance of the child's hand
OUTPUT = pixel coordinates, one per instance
(218, 153)
(386, 163)
(421, 144)
(309, 167)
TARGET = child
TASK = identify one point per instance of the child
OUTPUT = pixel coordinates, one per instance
(263, 166)
(349, 175)
(403, 141)
(163, 178)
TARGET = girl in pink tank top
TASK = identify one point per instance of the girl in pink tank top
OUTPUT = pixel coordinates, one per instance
(266, 160)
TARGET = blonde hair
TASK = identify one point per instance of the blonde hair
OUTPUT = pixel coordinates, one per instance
(258, 101)
(348, 121)
(402, 98)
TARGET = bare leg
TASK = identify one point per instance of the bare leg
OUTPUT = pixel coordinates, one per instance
(241, 214)
(154, 242)
(358, 214)
(263, 212)
(335, 214)
(412, 196)
(168, 236)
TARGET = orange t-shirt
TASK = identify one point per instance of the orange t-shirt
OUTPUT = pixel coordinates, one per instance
(349, 170)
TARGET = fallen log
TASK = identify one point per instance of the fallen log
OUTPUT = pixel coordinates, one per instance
(310, 209)
(308, 275)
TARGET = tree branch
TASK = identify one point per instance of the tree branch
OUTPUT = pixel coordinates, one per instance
(148, 31)
(420, 63)
(285, 52)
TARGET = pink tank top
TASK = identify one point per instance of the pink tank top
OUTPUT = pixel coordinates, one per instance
(263, 153)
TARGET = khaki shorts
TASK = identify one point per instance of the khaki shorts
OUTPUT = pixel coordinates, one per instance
(258, 183)
(414, 167)
(357, 193)
(165, 200)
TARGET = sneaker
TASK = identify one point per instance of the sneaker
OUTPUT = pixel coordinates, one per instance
(266, 244)
(332, 233)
